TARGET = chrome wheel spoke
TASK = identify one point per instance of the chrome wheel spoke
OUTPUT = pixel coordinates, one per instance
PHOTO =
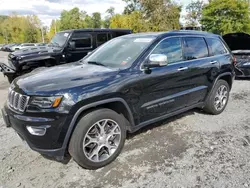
(217, 102)
(220, 99)
(102, 126)
(114, 131)
(95, 152)
(224, 94)
(111, 148)
(90, 140)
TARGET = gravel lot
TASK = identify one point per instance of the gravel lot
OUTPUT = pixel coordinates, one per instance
(190, 150)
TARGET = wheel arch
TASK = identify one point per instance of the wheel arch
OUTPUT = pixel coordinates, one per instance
(117, 104)
(227, 76)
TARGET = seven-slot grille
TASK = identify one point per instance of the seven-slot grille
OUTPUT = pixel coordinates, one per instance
(17, 101)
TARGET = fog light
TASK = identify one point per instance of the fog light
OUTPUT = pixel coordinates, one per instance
(37, 131)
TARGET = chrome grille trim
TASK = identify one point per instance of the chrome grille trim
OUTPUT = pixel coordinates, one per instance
(17, 101)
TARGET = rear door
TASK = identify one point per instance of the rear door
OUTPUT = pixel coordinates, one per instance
(220, 54)
(203, 68)
(101, 38)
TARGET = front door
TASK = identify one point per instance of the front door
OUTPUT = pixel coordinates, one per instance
(163, 90)
(84, 43)
(172, 87)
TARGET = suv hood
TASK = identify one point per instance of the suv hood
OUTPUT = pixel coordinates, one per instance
(237, 41)
(32, 51)
(54, 80)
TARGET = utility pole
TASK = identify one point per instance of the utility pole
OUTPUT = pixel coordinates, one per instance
(55, 26)
(42, 33)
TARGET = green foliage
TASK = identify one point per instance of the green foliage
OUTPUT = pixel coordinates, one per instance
(96, 20)
(2, 18)
(226, 16)
(16, 28)
(148, 15)
(163, 15)
(132, 5)
(132, 21)
(30, 35)
(71, 19)
(194, 13)
(54, 28)
(75, 19)
(107, 21)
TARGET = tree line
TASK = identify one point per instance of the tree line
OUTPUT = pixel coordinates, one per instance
(217, 16)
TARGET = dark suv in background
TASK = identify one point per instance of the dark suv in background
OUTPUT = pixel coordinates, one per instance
(86, 108)
(66, 46)
(239, 43)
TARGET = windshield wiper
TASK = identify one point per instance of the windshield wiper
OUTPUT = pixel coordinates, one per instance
(96, 63)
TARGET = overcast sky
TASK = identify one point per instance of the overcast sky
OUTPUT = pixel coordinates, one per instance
(51, 9)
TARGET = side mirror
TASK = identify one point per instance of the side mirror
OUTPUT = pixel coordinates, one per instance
(72, 45)
(157, 60)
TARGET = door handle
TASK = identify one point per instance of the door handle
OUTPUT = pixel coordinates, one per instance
(182, 68)
(213, 62)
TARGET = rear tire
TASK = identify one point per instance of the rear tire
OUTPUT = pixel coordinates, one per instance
(98, 138)
(218, 99)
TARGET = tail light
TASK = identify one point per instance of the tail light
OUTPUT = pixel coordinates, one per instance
(234, 60)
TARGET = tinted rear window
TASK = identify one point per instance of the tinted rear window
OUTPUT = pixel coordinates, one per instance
(216, 46)
(101, 38)
(194, 48)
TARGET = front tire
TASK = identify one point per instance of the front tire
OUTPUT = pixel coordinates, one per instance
(218, 99)
(98, 138)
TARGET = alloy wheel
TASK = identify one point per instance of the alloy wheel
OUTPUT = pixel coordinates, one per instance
(221, 98)
(102, 140)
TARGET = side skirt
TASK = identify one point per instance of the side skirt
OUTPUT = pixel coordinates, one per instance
(143, 124)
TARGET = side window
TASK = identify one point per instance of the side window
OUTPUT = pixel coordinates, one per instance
(171, 48)
(82, 40)
(101, 38)
(216, 46)
(194, 48)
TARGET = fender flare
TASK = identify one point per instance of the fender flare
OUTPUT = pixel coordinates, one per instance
(86, 107)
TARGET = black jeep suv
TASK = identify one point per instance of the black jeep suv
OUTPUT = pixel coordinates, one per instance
(86, 108)
(65, 46)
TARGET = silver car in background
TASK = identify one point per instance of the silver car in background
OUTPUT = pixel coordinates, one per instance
(22, 46)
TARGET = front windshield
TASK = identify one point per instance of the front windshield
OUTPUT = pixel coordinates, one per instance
(60, 39)
(120, 52)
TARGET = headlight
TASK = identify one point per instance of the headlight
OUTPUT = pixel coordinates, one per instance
(46, 102)
(246, 64)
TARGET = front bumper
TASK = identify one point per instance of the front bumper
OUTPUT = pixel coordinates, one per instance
(6, 69)
(50, 144)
